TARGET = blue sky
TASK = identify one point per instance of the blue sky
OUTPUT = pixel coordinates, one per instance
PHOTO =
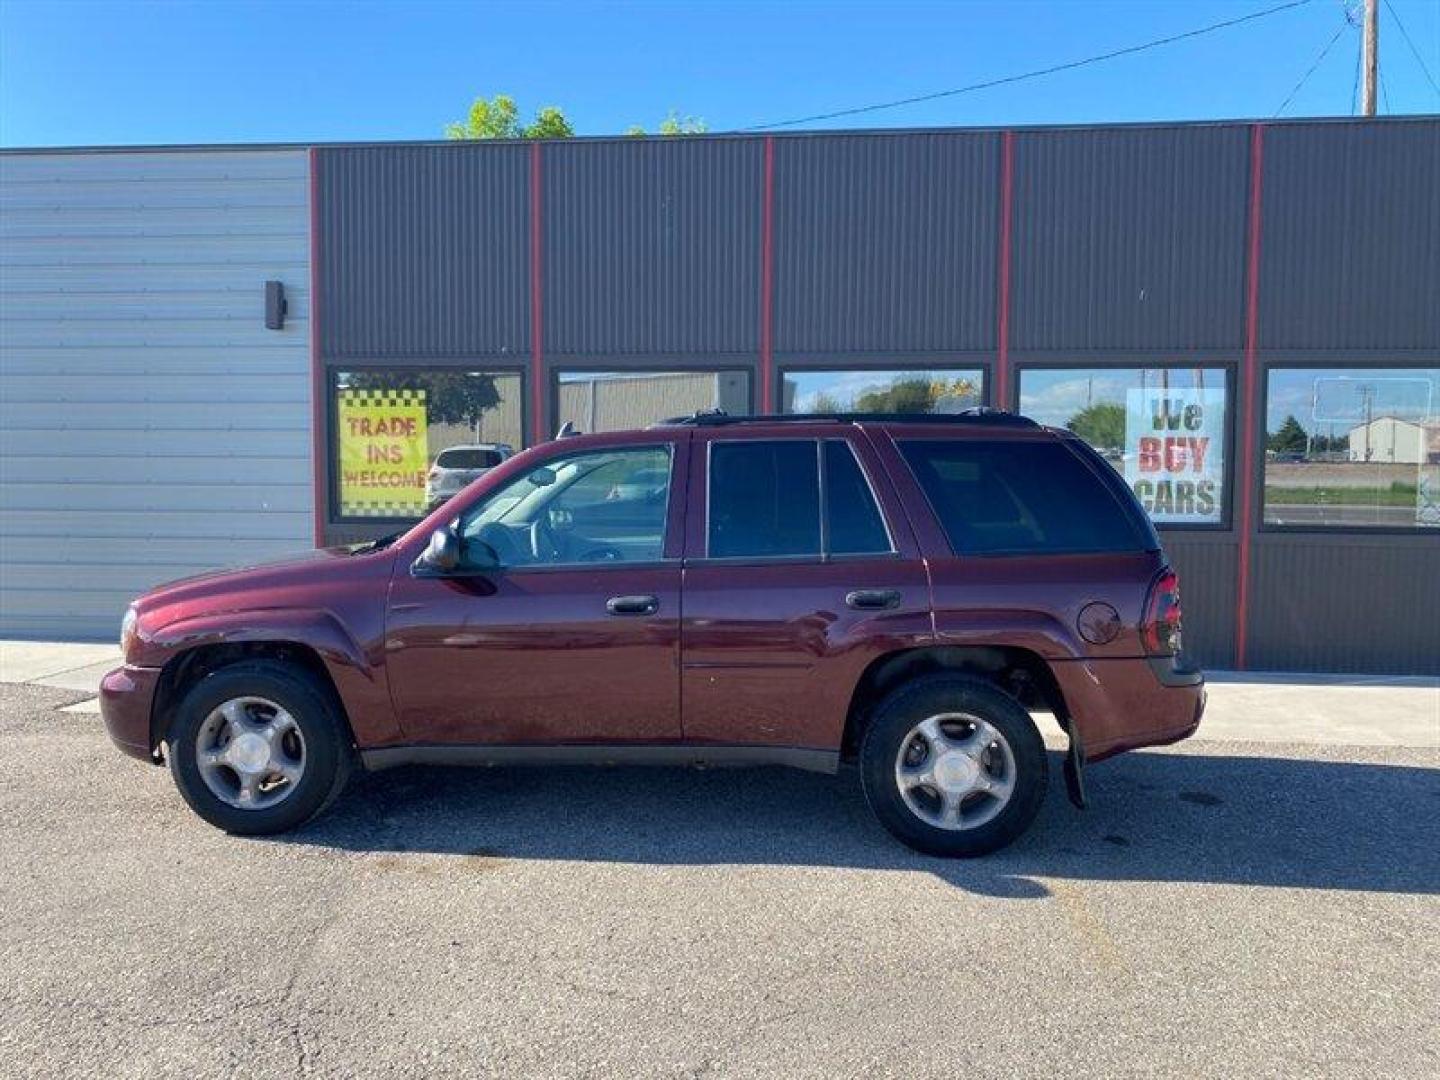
(74, 72)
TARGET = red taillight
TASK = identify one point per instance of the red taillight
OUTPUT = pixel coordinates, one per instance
(1160, 629)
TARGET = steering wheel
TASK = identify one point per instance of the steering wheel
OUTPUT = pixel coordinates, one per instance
(543, 545)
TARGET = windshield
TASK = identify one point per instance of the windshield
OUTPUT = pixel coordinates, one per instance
(469, 457)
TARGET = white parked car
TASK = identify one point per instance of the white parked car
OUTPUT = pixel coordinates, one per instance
(456, 466)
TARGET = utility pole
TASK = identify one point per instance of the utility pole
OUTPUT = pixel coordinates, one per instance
(1372, 57)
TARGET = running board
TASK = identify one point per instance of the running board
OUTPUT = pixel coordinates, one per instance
(820, 761)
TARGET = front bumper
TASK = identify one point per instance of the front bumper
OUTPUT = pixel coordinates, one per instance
(127, 695)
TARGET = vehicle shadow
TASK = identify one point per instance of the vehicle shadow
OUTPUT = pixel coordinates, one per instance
(1181, 817)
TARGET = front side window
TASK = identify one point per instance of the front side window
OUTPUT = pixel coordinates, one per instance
(600, 507)
(1163, 429)
(406, 439)
(1019, 497)
(1352, 447)
(622, 400)
(930, 390)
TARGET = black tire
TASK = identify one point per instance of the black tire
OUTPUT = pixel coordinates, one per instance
(891, 726)
(328, 752)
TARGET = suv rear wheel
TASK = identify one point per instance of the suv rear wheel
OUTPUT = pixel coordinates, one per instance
(953, 766)
(258, 748)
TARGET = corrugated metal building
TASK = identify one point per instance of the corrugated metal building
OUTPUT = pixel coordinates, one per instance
(1274, 285)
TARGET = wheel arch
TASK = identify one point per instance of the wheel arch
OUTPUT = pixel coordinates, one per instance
(1021, 673)
(186, 668)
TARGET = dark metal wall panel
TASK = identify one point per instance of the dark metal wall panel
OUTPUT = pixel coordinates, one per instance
(1207, 566)
(1345, 603)
(886, 243)
(652, 247)
(1129, 238)
(1350, 247)
(424, 252)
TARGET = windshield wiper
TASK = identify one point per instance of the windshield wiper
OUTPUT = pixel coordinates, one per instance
(378, 544)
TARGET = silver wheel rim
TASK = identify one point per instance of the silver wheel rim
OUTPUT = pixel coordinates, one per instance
(955, 771)
(250, 753)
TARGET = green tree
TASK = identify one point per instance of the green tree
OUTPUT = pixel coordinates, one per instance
(674, 124)
(1101, 424)
(915, 394)
(498, 118)
(1290, 438)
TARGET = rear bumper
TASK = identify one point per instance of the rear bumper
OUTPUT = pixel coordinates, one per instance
(126, 697)
(1119, 705)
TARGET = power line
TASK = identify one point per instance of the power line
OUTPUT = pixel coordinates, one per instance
(1008, 79)
(1311, 69)
(1406, 35)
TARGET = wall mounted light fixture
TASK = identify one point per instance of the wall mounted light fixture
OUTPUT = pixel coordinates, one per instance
(275, 305)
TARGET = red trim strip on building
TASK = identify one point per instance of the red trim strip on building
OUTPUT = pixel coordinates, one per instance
(317, 368)
(1002, 332)
(537, 351)
(767, 282)
(1249, 391)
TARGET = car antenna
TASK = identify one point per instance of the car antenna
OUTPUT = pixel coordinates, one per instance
(567, 430)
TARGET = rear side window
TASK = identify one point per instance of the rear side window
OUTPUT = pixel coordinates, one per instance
(1018, 497)
(767, 501)
(853, 522)
(764, 499)
(469, 458)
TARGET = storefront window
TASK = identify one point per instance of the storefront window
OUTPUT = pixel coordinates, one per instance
(931, 390)
(620, 400)
(1353, 447)
(1163, 429)
(404, 440)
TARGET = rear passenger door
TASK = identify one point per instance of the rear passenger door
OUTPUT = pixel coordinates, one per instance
(800, 569)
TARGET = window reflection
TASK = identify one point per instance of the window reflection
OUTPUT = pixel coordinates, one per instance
(620, 400)
(406, 439)
(1163, 429)
(931, 390)
(1352, 447)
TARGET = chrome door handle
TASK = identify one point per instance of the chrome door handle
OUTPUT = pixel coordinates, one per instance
(872, 599)
(632, 605)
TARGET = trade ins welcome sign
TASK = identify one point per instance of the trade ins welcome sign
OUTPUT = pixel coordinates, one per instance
(383, 453)
(1175, 452)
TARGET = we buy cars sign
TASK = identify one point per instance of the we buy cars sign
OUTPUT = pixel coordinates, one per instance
(383, 453)
(1175, 452)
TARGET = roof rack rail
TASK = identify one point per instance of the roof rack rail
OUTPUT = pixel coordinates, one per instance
(981, 414)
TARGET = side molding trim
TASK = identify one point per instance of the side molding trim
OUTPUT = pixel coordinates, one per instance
(820, 761)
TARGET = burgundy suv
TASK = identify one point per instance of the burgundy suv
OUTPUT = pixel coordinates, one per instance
(894, 591)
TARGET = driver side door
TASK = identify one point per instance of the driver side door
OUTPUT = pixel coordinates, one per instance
(562, 623)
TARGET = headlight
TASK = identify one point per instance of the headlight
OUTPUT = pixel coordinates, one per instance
(127, 630)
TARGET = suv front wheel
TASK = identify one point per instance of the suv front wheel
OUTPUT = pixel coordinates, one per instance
(953, 766)
(258, 747)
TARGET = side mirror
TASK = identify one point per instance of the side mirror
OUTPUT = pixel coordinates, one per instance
(443, 553)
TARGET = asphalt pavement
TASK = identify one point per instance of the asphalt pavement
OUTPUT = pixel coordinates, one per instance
(1223, 909)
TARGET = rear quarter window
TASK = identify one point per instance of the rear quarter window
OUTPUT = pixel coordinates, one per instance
(1018, 497)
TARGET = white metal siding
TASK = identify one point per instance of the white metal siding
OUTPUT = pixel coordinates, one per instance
(150, 426)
